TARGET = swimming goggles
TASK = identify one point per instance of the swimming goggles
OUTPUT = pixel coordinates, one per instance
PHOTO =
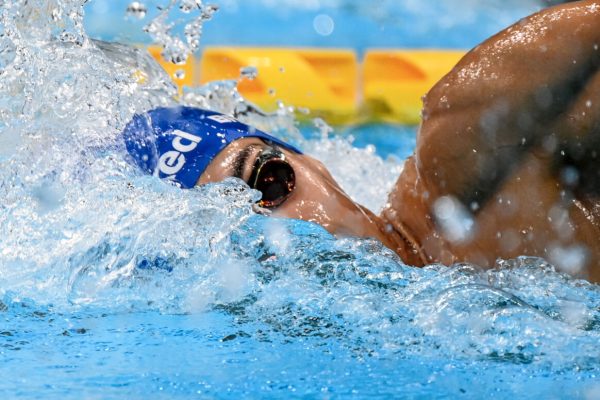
(273, 176)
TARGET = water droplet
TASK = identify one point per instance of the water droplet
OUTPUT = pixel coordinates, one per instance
(454, 218)
(56, 14)
(136, 10)
(569, 176)
(176, 53)
(208, 11)
(324, 128)
(323, 24)
(249, 72)
(186, 6)
(443, 101)
(7, 52)
(179, 74)
(277, 236)
(571, 259)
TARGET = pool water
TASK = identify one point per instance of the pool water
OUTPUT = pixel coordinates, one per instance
(115, 285)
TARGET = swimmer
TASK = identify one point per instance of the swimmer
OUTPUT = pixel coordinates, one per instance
(506, 162)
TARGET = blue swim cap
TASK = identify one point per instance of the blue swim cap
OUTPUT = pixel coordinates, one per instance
(178, 143)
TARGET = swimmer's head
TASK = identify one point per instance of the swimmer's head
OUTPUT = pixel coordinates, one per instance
(178, 143)
(190, 147)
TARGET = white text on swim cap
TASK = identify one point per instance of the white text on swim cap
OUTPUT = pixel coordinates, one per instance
(172, 161)
(222, 119)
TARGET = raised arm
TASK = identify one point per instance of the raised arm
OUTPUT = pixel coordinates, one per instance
(535, 85)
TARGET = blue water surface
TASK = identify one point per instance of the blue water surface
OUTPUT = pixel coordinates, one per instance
(256, 307)
(90, 354)
(327, 319)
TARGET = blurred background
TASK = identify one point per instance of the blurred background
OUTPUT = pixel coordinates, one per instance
(356, 24)
(389, 94)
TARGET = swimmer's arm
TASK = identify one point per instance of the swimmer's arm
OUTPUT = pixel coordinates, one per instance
(517, 91)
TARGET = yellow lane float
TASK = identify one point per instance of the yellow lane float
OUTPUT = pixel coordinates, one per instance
(394, 81)
(323, 81)
(326, 81)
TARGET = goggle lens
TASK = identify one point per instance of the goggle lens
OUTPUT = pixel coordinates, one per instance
(273, 177)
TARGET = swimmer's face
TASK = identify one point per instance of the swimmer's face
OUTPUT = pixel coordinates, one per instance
(293, 186)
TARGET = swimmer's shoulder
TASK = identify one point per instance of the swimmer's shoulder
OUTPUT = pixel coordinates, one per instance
(409, 212)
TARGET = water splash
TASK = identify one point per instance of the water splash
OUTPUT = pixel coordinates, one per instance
(223, 96)
(177, 49)
(82, 229)
(519, 312)
(64, 101)
(360, 172)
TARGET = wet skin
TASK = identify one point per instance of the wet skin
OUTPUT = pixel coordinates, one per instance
(510, 138)
(316, 197)
(512, 134)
